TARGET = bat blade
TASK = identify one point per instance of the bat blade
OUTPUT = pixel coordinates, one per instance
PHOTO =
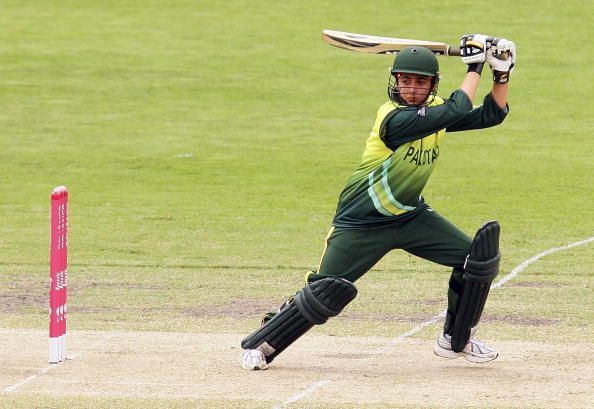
(381, 45)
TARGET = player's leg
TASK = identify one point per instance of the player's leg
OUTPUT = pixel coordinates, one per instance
(313, 305)
(348, 254)
(480, 269)
(434, 238)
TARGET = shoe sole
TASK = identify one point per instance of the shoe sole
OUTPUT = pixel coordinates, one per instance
(478, 359)
(446, 353)
(254, 368)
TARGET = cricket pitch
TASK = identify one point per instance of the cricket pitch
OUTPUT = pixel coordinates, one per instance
(317, 371)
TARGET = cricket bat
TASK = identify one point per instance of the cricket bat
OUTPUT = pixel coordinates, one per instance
(364, 43)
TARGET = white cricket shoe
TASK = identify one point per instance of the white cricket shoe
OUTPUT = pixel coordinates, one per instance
(474, 351)
(253, 360)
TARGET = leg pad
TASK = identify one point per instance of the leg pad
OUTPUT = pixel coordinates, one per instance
(480, 269)
(313, 305)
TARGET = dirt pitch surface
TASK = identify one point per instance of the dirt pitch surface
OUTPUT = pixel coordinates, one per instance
(318, 371)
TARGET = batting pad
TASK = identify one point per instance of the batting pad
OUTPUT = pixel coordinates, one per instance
(480, 269)
(313, 305)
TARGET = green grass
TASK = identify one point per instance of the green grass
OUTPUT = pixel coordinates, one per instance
(204, 145)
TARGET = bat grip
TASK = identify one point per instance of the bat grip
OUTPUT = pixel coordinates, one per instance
(453, 51)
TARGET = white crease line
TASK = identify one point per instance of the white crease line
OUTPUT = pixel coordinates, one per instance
(531, 260)
(48, 368)
(312, 388)
(518, 269)
(410, 332)
(17, 385)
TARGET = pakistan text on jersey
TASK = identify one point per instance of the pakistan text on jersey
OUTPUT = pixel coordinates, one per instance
(422, 157)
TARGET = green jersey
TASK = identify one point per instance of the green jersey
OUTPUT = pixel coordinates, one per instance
(400, 155)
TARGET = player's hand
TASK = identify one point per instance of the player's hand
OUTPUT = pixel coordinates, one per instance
(501, 57)
(473, 48)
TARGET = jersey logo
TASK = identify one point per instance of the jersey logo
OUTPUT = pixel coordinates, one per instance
(421, 112)
(422, 157)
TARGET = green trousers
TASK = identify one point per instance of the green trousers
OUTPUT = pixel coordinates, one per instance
(350, 253)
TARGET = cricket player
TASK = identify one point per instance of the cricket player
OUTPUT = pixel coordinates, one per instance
(382, 208)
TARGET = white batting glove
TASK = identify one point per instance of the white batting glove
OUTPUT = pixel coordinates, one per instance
(473, 48)
(501, 57)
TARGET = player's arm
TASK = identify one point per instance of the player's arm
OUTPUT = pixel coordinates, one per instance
(501, 68)
(473, 51)
(499, 93)
(471, 81)
(408, 124)
(484, 116)
(405, 125)
(495, 107)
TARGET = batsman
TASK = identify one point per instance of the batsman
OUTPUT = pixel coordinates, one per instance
(381, 208)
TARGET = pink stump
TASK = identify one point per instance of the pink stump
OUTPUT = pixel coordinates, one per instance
(58, 274)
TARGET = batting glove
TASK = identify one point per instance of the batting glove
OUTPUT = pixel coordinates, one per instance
(473, 48)
(501, 57)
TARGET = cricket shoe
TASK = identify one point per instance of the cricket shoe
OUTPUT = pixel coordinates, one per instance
(253, 360)
(474, 351)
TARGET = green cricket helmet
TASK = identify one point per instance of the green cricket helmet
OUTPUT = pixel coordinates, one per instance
(413, 60)
(416, 60)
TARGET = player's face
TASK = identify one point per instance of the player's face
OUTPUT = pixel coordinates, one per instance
(414, 88)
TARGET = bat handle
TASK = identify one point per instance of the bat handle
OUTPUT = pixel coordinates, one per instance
(453, 51)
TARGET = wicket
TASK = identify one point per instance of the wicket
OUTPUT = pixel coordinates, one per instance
(58, 274)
